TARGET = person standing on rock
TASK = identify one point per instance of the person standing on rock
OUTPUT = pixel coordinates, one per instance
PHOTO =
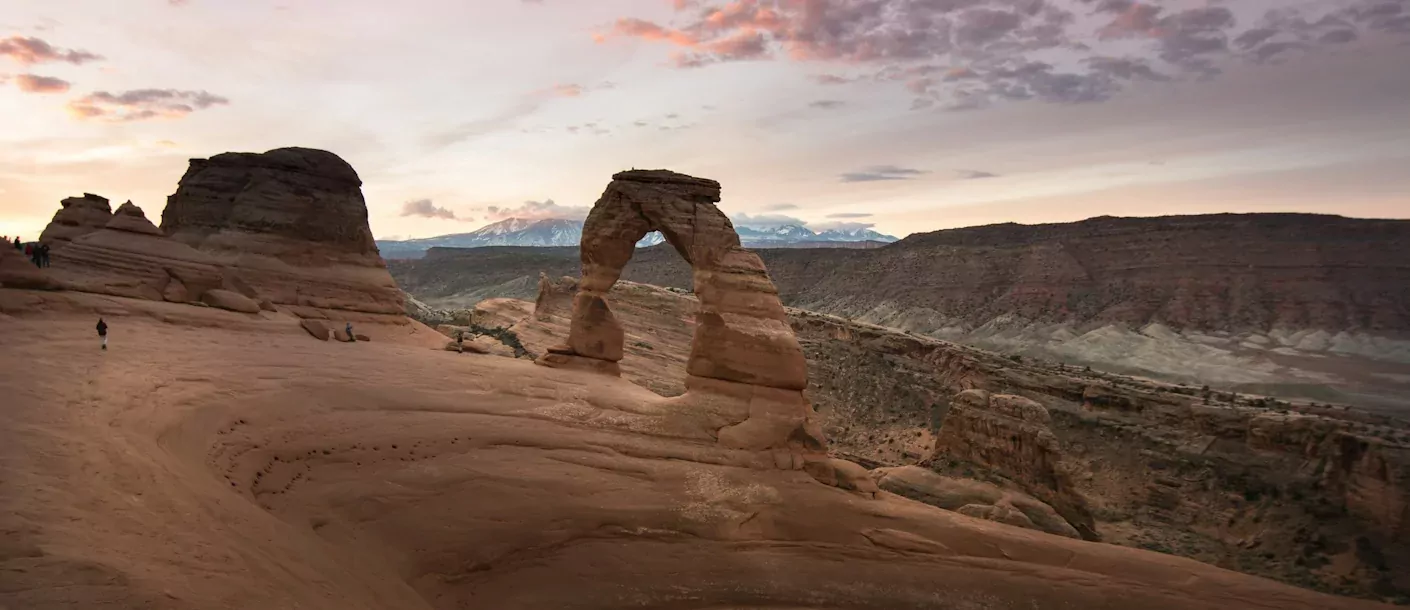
(17, 243)
(43, 255)
(103, 333)
(351, 337)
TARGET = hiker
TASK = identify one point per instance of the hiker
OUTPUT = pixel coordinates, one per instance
(17, 243)
(103, 333)
(351, 336)
(43, 255)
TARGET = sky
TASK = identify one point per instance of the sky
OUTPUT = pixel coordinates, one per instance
(902, 115)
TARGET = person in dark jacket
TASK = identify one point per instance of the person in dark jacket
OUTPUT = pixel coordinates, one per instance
(103, 333)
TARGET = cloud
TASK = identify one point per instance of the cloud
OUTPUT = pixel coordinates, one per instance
(970, 54)
(29, 50)
(881, 172)
(142, 104)
(841, 226)
(850, 215)
(426, 209)
(781, 207)
(537, 210)
(830, 79)
(504, 119)
(828, 104)
(970, 174)
(31, 83)
(764, 221)
(567, 90)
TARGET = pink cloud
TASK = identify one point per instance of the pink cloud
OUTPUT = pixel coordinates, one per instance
(30, 50)
(31, 83)
(142, 104)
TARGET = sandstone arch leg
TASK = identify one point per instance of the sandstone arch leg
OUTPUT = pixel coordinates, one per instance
(746, 373)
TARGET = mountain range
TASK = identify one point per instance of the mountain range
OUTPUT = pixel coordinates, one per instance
(567, 232)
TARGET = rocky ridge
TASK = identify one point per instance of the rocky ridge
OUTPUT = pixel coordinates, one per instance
(246, 232)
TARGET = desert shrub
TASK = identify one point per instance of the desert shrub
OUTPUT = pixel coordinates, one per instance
(503, 335)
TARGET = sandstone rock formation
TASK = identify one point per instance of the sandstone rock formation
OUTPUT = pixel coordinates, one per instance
(979, 499)
(291, 222)
(269, 471)
(1285, 495)
(129, 257)
(233, 301)
(1010, 436)
(130, 218)
(746, 371)
(78, 216)
(16, 271)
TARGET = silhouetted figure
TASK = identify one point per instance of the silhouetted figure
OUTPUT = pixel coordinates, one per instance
(43, 255)
(17, 243)
(351, 337)
(103, 333)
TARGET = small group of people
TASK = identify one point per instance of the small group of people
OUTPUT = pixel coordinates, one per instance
(38, 254)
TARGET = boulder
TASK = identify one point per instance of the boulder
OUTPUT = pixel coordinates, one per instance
(291, 223)
(175, 292)
(317, 328)
(232, 301)
(76, 217)
(362, 337)
(267, 305)
(342, 335)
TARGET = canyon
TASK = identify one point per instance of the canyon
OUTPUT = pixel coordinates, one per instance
(1291, 305)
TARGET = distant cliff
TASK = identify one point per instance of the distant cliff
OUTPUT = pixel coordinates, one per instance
(1222, 298)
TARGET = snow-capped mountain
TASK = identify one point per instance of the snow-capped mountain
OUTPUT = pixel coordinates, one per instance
(860, 234)
(782, 233)
(564, 232)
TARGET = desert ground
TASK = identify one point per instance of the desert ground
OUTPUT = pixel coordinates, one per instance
(212, 459)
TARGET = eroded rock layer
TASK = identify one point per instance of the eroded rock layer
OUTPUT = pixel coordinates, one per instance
(291, 223)
(1010, 436)
(79, 216)
(130, 257)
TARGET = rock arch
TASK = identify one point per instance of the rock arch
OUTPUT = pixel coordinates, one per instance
(746, 373)
(742, 333)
